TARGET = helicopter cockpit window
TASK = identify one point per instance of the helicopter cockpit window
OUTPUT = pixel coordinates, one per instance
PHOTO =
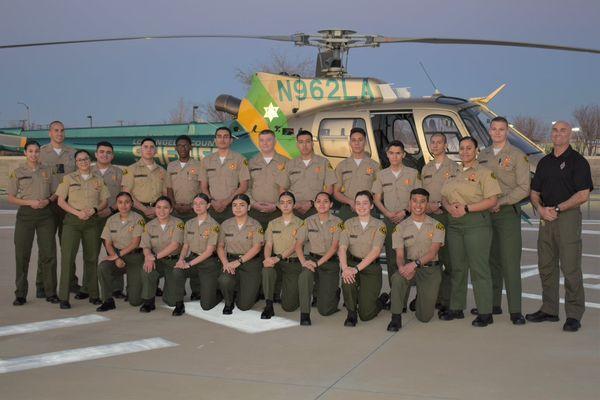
(404, 132)
(334, 135)
(445, 125)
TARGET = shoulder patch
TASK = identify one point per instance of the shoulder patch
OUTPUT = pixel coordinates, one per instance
(125, 171)
(302, 223)
(141, 222)
(395, 229)
(341, 226)
(526, 158)
(180, 226)
(281, 166)
(245, 162)
(12, 175)
(440, 226)
(216, 229)
(383, 230)
(261, 231)
(493, 175)
(329, 165)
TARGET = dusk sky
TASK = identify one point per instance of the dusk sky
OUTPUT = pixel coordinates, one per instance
(142, 81)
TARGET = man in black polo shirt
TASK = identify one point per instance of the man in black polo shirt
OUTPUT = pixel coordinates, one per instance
(562, 182)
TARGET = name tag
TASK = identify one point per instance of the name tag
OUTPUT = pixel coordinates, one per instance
(276, 232)
(153, 236)
(190, 232)
(408, 237)
(140, 176)
(173, 173)
(255, 169)
(74, 185)
(24, 177)
(229, 235)
(313, 230)
(294, 172)
(113, 231)
(346, 172)
(427, 176)
(386, 184)
(482, 161)
(354, 236)
(210, 169)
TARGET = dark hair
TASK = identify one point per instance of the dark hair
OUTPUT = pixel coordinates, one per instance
(183, 137)
(81, 151)
(289, 194)
(202, 196)
(329, 196)
(55, 122)
(267, 132)
(471, 138)
(499, 119)
(241, 196)
(439, 134)
(394, 143)
(126, 194)
(148, 139)
(304, 133)
(164, 198)
(223, 128)
(358, 130)
(31, 143)
(105, 144)
(419, 191)
(365, 193)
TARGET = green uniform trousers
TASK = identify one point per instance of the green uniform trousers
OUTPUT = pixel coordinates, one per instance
(264, 218)
(345, 212)
(363, 293)
(469, 240)
(505, 256)
(246, 280)
(111, 276)
(311, 211)
(118, 282)
(390, 253)
(444, 257)
(559, 245)
(206, 274)
(163, 268)
(289, 271)
(428, 281)
(327, 287)
(222, 216)
(74, 232)
(32, 222)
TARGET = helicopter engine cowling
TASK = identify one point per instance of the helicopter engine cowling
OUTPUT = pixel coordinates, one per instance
(228, 104)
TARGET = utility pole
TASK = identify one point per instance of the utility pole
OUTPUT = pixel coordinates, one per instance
(90, 118)
(27, 126)
(194, 113)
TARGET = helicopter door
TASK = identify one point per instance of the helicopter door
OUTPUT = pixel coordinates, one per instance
(430, 122)
(397, 125)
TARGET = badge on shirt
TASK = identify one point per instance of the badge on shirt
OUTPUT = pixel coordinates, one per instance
(281, 167)
(473, 177)
(408, 181)
(317, 170)
(370, 171)
(430, 235)
(506, 162)
(383, 230)
(563, 165)
(233, 166)
(130, 229)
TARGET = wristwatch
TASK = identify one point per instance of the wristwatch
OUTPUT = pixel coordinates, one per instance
(356, 268)
(418, 263)
(241, 260)
(557, 209)
(466, 208)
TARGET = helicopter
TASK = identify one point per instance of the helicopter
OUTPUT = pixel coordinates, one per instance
(329, 105)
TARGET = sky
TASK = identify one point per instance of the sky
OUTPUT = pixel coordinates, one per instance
(142, 81)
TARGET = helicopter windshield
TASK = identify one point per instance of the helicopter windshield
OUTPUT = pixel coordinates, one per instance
(477, 121)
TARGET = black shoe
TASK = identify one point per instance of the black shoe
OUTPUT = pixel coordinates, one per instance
(19, 301)
(383, 301)
(438, 306)
(314, 302)
(159, 292)
(517, 318)
(404, 309)
(450, 315)
(53, 299)
(40, 293)
(118, 294)
(179, 309)
(305, 319)
(413, 305)
(75, 288)
(276, 298)
(496, 310)
(483, 320)
(65, 305)
(228, 309)
(442, 309)
(95, 301)
(351, 319)
(81, 296)
(540, 316)
(109, 304)
(571, 325)
(195, 296)
(395, 324)
(268, 312)
(148, 306)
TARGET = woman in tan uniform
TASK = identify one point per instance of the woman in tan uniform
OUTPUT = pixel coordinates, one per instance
(161, 241)
(122, 234)
(81, 194)
(240, 241)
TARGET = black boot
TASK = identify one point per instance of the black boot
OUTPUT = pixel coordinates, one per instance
(351, 319)
(268, 312)
(305, 319)
(413, 305)
(148, 306)
(195, 296)
(19, 301)
(179, 309)
(396, 323)
(81, 296)
(383, 301)
(159, 292)
(118, 294)
(95, 301)
(228, 309)
(53, 299)
(483, 320)
(65, 305)
(109, 304)
(449, 315)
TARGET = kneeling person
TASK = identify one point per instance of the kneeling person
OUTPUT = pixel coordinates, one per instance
(417, 241)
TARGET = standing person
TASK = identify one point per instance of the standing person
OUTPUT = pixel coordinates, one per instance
(60, 158)
(197, 258)
(223, 175)
(240, 241)
(354, 173)
(321, 234)
(29, 188)
(360, 245)
(122, 234)
(561, 184)
(391, 191)
(82, 195)
(161, 241)
(184, 176)
(417, 241)
(281, 258)
(434, 174)
(468, 199)
(309, 174)
(511, 167)
(267, 179)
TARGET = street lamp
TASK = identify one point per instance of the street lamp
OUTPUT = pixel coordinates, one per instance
(194, 113)
(28, 125)
(90, 118)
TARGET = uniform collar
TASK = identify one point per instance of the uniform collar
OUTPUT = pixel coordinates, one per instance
(565, 154)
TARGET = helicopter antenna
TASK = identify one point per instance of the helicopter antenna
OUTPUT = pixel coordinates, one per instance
(436, 91)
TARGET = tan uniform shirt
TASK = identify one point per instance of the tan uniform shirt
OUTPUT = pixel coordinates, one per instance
(359, 241)
(471, 186)
(121, 233)
(266, 179)
(396, 191)
(283, 236)
(415, 241)
(112, 178)
(434, 178)
(352, 178)
(156, 238)
(82, 194)
(511, 167)
(223, 179)
(239, 241)
(320, 236)
(66, 158)
(146, 184)
(185, 181)
(307, 181)
(27, 184)
(200, 236)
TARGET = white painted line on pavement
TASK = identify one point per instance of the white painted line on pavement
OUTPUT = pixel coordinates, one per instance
(7, 227)
(50, 324)
(584, 254)
(243, 321)
(532, 270)
(583, 231)
(9, 212)
(82, 354)
(584, 222)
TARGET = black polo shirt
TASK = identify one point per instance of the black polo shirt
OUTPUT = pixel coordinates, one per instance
(559, 178)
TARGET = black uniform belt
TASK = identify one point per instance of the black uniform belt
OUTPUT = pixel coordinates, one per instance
(171, 257)
(194, 255)
(429, 264)
(134, 251)
(287, 259)
(231, 256)
(318, 256)
(353, 258)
